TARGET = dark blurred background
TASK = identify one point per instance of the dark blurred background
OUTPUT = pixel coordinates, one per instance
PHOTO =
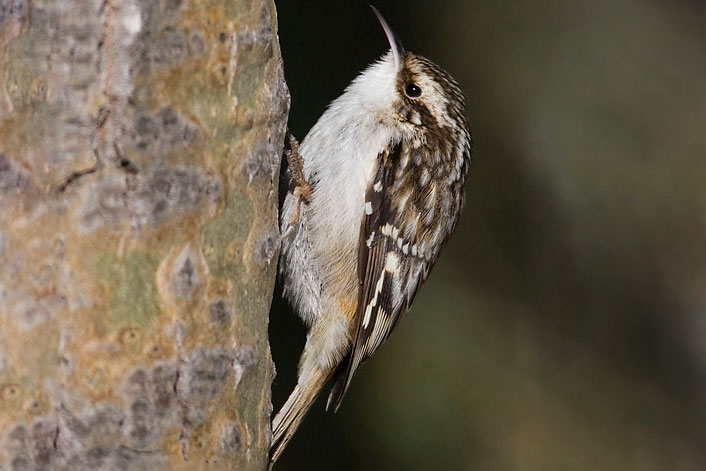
(564, 326)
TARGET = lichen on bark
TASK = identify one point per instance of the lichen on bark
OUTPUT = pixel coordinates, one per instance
(140, 144)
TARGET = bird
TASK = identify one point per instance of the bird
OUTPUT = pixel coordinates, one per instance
(375, 190)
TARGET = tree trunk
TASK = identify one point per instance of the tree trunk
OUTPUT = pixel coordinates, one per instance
(140, 143)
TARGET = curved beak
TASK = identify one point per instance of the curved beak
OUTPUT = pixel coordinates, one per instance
(398, 51)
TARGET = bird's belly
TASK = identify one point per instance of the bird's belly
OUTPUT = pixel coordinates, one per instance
(336, 214)
(335, 242)
(340, 154)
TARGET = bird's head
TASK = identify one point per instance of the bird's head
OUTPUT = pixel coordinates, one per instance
(411, 93)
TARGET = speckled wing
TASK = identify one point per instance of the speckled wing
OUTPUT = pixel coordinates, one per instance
(388, 273)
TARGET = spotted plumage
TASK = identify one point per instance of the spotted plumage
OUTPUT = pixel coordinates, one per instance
(387, 162)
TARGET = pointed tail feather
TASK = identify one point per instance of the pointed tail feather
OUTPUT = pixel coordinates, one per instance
(341, 381)
(290, 416)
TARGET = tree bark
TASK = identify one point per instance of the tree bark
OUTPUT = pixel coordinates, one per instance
(140, 143)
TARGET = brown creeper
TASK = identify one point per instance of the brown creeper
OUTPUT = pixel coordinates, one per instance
(387, 163)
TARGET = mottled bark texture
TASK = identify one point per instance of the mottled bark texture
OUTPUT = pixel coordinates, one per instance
(140, 143)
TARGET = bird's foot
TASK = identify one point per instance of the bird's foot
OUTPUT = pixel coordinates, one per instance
(303, 190)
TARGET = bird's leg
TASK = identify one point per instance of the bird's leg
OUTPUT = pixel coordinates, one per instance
(296, 169)
(302, 190)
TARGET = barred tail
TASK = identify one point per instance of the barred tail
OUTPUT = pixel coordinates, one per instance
(290, 416)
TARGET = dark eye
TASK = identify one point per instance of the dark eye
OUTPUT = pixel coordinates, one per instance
(412, 90)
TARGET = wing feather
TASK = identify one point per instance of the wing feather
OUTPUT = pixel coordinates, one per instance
(388, 275)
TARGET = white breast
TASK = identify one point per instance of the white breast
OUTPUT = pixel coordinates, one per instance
(340, 154)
